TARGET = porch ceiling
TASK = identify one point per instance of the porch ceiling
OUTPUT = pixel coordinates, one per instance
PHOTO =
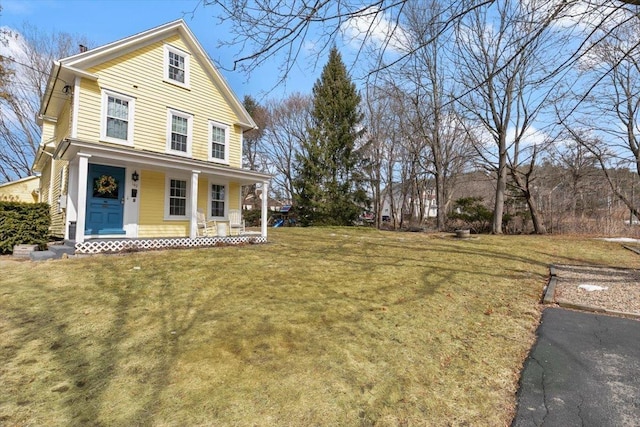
(69, 148)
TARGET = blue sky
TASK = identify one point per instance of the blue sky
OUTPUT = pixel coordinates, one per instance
(105, 21)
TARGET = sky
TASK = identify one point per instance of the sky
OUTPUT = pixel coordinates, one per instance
(105, 21)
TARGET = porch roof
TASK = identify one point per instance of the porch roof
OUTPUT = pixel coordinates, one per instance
(69, 148)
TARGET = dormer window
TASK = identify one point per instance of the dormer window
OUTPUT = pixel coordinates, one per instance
(176, 66)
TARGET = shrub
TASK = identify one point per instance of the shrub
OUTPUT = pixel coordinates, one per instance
(472, 213)
(252, 217)
(23, 223)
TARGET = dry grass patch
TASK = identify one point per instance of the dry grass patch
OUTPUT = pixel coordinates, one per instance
(326, 326)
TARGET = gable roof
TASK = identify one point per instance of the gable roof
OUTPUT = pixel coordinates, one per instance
(65, 70)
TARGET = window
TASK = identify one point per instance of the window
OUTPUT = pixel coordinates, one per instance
(176, 68)
(177, 198)
(179, 131)
(117, 117)
(219, 142)
(218, 200)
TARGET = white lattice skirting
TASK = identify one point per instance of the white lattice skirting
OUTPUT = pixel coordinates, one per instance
(131, 245)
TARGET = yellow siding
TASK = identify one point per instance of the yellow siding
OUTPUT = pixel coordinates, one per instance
(44, 182)
(234, 196)
(20, 191)
(140, 74)
(64, 123)
(48, 131)
(151, 216)
(58, 215)
(203, 194)
(89, 111)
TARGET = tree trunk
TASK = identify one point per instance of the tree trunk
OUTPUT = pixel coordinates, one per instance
(501, 186)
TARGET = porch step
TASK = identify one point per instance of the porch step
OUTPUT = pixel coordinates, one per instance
(59, 250)
(54, 252)
(42, 255)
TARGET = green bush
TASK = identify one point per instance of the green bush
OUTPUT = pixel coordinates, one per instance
(252, 217)
(23, 223)
(472, 213)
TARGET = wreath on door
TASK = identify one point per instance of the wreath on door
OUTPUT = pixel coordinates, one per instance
(105, 185)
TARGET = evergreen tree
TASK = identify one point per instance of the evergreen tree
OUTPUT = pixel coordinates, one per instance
(329, 182)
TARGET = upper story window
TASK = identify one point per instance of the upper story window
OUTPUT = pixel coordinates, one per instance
(179, 132)
(176, 66)
(218, 142)
(117, 117)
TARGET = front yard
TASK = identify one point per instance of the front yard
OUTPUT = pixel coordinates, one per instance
(322, 326)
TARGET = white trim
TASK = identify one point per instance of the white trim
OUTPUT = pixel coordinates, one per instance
(265, 207)
(193, 226)
(52, 176)
(170, 113)
(187, 69)
(226, 129)
(106, 93)
(215, 181)
(28, 178)
(241, 148)
(103, 245)
(67, 149)
(130, 214)
(83, 171)
(76, 107)
(167, 194)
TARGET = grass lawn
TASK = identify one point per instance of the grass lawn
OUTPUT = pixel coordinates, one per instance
(324, 326)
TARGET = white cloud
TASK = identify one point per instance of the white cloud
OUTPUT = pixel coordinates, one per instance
(530, 137)
(372, 26)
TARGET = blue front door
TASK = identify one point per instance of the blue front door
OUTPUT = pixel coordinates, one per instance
(105, 200)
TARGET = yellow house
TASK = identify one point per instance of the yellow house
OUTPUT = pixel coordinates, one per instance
(138, 136)
(22, 190)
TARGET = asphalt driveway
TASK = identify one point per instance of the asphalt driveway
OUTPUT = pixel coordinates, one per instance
(584, 370)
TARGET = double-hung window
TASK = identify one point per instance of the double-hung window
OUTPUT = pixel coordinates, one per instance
(218, 142)
(179, 132)
(176, 66)
(218, 199)
(177, 190)
(117, 117)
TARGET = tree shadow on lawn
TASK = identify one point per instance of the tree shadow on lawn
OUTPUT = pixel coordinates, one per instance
(84, 367)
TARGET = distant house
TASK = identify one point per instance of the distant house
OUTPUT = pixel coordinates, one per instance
(397, 203)
(22, 190)
(138, 136)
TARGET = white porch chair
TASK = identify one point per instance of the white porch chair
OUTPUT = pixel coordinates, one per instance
(236, 223)
(205, 227)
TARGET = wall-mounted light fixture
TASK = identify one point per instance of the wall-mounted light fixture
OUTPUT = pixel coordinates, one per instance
(66, 89)
(134, 176)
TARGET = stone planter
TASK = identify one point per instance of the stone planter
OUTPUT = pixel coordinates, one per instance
(24, 251)
(463, 234)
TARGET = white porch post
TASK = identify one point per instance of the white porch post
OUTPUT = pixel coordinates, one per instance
(193, 199)
(83, 171)
(265, 206)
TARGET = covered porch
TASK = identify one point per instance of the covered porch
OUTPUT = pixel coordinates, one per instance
(122, 199)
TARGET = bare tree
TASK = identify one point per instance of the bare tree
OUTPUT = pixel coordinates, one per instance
(29, 67)
(378, 145)
(289, 120)
(505, 99)
(263, 28)
(426, 81)
(609, 126)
